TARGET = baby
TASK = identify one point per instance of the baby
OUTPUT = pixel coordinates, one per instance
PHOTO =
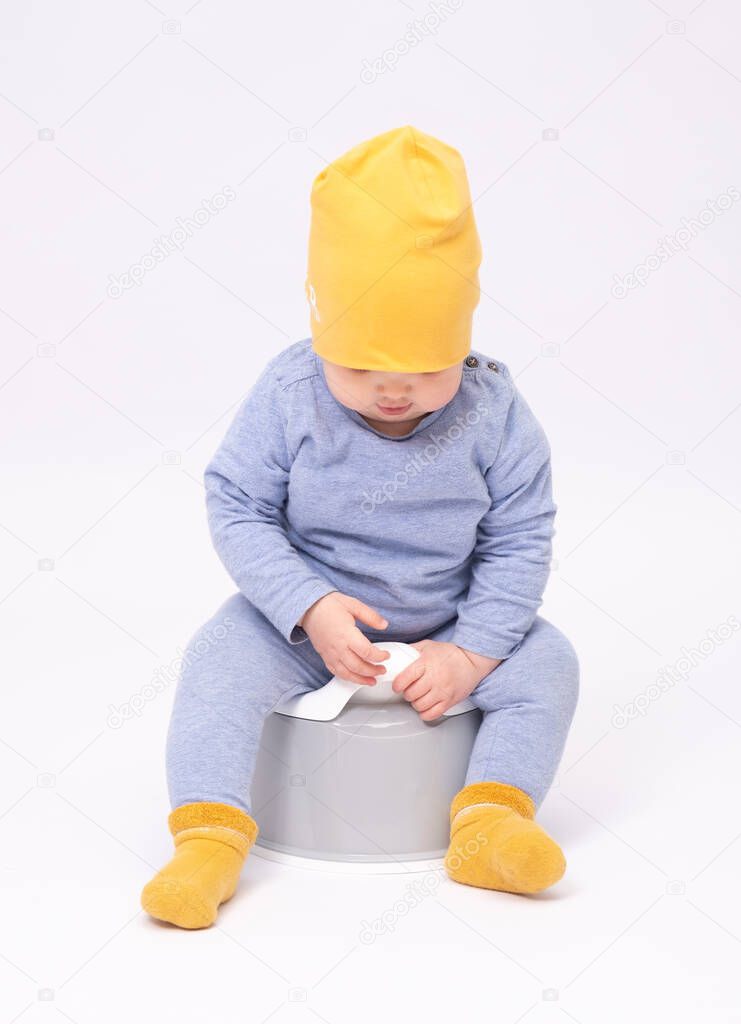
(381, 481)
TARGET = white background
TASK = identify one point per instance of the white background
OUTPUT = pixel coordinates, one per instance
(110, 407)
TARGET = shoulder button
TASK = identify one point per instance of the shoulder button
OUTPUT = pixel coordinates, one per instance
(493, 366)
(472, 361)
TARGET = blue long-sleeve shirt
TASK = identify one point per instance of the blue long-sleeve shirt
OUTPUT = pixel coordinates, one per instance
(452, 521)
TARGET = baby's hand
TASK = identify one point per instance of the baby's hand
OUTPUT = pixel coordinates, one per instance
(442, 676)
(330, 626)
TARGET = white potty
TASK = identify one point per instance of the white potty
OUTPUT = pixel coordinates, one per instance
(351, 772)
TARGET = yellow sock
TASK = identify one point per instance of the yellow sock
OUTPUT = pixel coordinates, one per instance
(212, 841)
(495, 844)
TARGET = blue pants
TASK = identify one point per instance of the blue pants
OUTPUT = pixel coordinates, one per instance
(238, 668)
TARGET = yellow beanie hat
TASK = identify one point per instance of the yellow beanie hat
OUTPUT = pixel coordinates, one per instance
(394, 254)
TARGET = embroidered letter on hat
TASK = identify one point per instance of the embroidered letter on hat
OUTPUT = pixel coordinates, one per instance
(312, 300)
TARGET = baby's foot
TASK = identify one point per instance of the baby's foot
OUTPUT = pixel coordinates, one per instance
(495, 844)
(205, 869)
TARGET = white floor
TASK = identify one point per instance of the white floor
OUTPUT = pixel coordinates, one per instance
(590, 132)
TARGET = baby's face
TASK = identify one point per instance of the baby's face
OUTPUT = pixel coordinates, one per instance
(391, 398)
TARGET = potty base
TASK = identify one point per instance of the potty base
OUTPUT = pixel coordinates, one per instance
(347, 867)
(330, 857)
(373, 785)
